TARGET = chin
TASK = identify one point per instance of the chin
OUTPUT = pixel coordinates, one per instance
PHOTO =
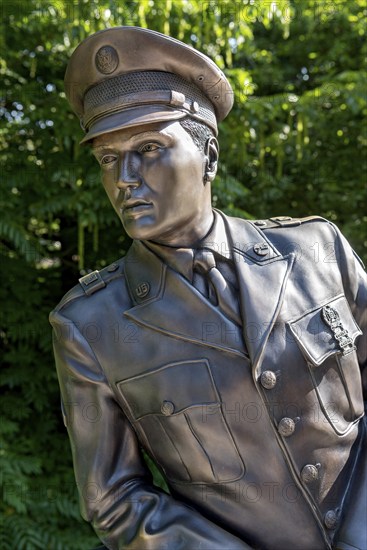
(139, 233)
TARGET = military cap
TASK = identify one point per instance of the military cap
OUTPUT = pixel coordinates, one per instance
(128, 76)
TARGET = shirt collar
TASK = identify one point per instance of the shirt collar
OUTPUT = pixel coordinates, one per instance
(217, 239)
(181, 259)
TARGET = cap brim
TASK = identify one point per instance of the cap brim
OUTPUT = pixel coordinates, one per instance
(129, 118)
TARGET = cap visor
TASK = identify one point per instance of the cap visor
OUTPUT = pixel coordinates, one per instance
(129, 118)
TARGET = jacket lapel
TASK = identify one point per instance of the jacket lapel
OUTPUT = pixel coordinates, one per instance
(262, 275)
(167, 303)
(164, 301)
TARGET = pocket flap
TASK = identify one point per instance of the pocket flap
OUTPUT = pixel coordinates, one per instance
(319, 336)
(180, 385)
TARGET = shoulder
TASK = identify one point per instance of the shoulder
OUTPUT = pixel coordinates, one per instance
(312, 237)
(282, 231)
(282, 223)
(312, 232)
(309, 238)
(90, 285)
(287, 228)
(298, 230)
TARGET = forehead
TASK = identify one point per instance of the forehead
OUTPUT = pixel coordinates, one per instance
(165, 129)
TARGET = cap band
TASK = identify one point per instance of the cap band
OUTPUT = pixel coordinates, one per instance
(136, 89)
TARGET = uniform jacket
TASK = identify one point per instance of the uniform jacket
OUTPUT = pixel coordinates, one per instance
(258, 430)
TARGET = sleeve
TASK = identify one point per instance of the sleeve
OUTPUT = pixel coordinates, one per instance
(355, 289)
(353, 533)
(116, 491)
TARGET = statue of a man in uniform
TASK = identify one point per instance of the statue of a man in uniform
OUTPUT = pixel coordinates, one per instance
(237, 366)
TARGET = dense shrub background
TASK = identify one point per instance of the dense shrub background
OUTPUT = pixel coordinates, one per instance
(295, 144)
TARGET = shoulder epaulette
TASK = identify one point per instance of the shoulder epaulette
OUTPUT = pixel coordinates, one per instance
(91, 282)
(284, 221)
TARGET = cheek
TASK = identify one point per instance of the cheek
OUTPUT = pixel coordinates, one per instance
(109, 185)
(177, 173)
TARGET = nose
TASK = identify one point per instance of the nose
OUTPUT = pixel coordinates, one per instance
(128, 171)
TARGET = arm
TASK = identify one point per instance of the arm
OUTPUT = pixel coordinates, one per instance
(116, 491)
(353, 534)
(355, 289)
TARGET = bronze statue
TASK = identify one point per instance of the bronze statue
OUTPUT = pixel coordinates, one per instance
(224, 350)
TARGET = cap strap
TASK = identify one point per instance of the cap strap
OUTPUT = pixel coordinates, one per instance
(118, 104)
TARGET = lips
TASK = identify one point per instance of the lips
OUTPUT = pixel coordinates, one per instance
(134, 208)
(135, 204)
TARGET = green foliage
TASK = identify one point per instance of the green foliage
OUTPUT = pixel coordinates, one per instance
(294, 144)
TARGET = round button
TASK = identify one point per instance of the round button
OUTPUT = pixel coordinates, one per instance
(309, 473)
(286, 427)
(331, 519)
(260, 223)
(167, 408)
(261, 249)
(268, 379)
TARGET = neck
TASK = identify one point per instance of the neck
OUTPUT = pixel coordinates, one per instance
(186, 238)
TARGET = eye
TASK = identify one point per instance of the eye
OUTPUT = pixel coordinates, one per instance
(148, 148)
(107, 159)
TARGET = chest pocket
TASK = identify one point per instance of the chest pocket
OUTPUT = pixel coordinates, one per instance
(326, 336)
(177, 410)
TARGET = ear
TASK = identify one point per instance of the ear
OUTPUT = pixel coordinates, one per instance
(211, 152)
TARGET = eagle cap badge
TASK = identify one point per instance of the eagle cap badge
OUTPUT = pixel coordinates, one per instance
(107, 60)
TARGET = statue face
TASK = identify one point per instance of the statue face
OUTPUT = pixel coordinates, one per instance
(153, 176)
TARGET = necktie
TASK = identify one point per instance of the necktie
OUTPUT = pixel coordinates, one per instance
(210, 282)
